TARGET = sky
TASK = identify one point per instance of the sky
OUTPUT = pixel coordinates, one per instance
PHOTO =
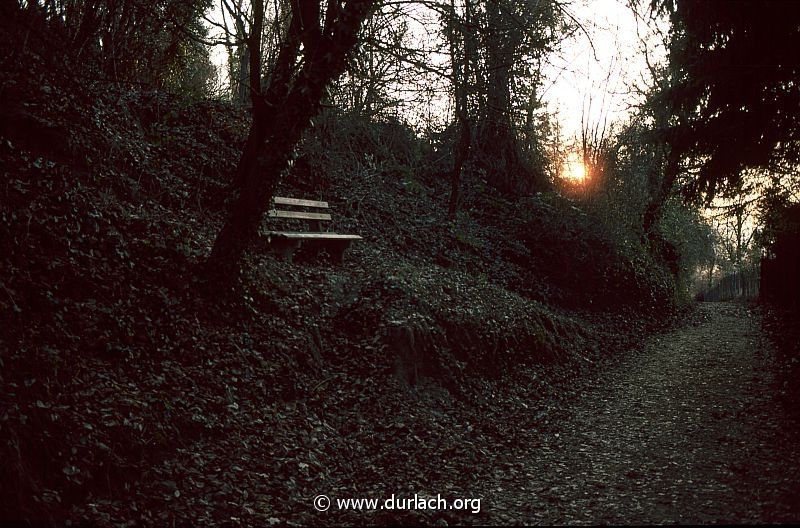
(594, 70)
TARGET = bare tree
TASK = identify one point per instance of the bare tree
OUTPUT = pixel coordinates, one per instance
(313, 51)
(236, 45)
(463, 33)
(380, 65)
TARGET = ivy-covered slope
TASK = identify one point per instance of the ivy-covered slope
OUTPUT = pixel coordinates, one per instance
(130, 394)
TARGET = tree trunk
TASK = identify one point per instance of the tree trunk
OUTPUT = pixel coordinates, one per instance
(243, 74)
(279, 118)
(653, 210)
(461, 77)
(462, 151)
(497, 147)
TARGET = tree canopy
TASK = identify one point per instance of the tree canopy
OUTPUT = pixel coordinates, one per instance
(732, 88)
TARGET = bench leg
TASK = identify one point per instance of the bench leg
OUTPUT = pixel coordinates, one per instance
(334, 248)
(284, 249)
(288, 251)
(337, 250)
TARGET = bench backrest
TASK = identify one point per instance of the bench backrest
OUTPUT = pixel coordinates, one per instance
(312, 211)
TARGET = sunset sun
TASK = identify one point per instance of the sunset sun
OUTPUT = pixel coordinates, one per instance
(574, 170)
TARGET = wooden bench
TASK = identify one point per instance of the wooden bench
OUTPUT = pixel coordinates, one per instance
(313, 214)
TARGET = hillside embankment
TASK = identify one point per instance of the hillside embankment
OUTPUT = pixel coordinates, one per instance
(131, 395)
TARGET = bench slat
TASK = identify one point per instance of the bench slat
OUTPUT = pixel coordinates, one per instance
(285, 243)
(320, 236)
(282, 200)
(299, 215)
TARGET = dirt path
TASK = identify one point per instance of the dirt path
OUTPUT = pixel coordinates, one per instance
(686, 432)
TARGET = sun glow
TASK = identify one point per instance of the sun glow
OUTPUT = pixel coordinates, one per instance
(574, 170)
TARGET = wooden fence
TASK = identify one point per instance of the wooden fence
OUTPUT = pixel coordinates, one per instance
(743, 285)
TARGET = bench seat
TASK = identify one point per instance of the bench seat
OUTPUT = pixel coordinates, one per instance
(285, 243)
(316, 236)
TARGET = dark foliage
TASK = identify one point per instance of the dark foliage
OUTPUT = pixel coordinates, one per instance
(732, 87)
(128, 394)
(782, 323)
(125, 40)
(780, 270)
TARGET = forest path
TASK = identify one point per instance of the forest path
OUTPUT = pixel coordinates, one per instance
(686, 431)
